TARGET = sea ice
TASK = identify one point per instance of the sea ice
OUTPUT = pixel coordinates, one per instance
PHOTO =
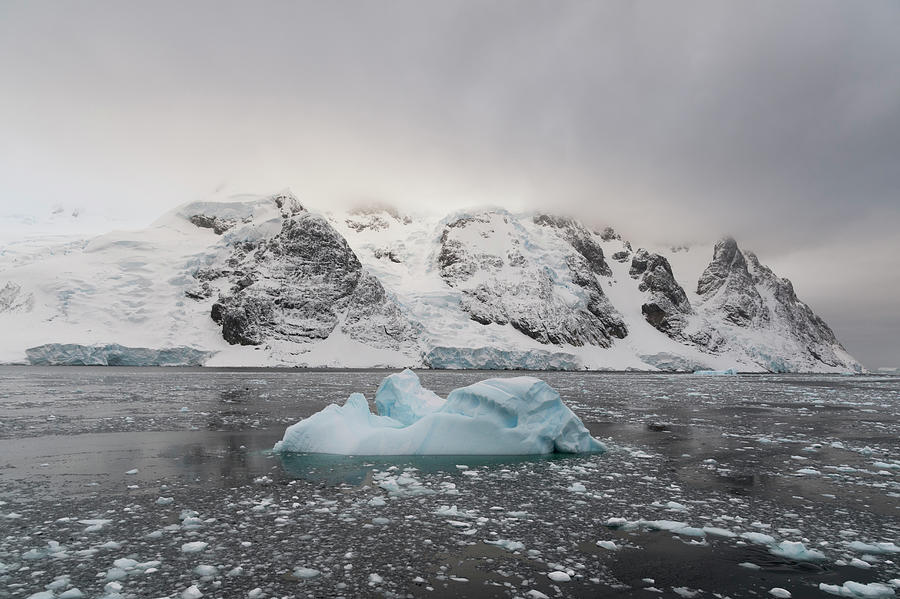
(508, 416)
(850, 588)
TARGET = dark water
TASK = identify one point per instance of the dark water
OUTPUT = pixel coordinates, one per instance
(809, 459)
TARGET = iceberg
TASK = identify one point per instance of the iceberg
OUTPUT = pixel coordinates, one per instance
(501, 416)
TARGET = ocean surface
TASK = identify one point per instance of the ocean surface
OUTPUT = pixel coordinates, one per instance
(149, 482)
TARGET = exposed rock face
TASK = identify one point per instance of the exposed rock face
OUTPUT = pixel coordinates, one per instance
(580, 238)
(770, 323)
(217, 224)
(668, 304)
(727, 285)
(482, 255)
(299, 284)
(812, 332)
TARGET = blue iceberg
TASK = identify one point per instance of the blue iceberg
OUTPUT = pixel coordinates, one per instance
(500, 416)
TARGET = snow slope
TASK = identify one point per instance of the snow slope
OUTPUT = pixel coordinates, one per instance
(486, 288)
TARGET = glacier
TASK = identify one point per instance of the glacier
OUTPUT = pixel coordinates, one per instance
(113, 354)
(499, 416)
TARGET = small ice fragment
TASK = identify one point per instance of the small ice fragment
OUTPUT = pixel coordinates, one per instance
(255, 593)
(750, 566)
(164, 500)
(194, 547)
(536, 594)
(608, 545)
(796, 550)
(301, 572)
(192, 592)
(507, 544)
(559, 576)
(780, 592)
(375, 578)
(205, 570)
(73, 593)
(132, 471)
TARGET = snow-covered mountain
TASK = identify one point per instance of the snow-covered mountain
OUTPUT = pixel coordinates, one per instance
(264, 281)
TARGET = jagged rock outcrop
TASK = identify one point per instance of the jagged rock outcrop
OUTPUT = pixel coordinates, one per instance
(217, 224)
(299, 285)
(747, 307)
(727, 286)
(580, 238)
(506, 288)
(809, 329)
(668, 305)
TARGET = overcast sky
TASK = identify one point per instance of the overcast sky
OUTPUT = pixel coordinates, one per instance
(778, 122)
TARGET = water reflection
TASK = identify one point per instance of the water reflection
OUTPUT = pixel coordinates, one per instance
(357, 470)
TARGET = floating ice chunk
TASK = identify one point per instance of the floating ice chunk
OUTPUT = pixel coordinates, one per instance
(401, 397)
(796, 550)
(73, 593)
(194, 547)
(301, 572)
(875, 548)
(780, 592)
(41, 595)
(521, 415)
(810, 471)
(715, 372)
(535, 594)
(206, 570)
(132, 471)
(192, 592)
(95, 524)
(507, 544)
(873, 590)
(750, 566)
(559, 577)
(608, 545)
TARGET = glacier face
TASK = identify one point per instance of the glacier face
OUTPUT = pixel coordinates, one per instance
(263, 281)
(73, 354)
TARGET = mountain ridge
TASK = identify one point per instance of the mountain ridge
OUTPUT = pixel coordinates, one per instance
(264, 281)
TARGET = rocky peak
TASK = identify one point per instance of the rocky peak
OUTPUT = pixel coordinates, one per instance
(288, 203)
(727, 285)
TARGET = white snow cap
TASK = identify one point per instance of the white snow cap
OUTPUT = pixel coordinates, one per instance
(501, 416)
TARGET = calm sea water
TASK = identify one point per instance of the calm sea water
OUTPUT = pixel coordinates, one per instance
(110, 477)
